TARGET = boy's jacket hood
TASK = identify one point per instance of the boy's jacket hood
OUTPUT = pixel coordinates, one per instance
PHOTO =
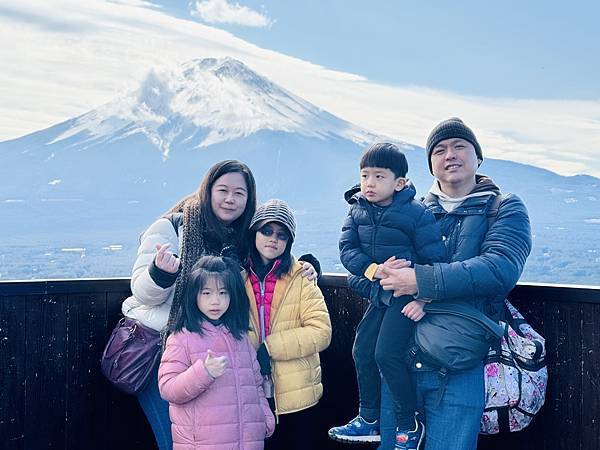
(353, 194)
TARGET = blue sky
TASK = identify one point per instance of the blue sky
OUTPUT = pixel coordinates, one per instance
(517, 49)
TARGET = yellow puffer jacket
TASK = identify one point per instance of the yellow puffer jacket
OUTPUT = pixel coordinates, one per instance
(300, 328)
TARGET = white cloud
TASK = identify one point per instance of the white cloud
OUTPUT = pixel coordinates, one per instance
(51, 73)
(221, 11)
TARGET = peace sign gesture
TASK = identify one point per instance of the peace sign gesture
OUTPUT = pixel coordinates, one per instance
(166, 260)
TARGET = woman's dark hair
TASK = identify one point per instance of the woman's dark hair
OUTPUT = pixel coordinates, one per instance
(200, 201)
(386, 156)
(286, 257)
(226, 271)
(204, 234)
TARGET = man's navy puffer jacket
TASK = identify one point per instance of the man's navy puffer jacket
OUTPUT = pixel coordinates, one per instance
(483, 265)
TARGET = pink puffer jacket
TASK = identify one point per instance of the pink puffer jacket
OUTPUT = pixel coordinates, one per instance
(226, 413)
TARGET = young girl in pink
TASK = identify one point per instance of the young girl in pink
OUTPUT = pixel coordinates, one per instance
(209, 373)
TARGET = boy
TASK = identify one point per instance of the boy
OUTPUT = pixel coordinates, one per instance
(384, 223)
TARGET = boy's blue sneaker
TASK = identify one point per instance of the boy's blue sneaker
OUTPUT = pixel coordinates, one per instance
(410, 439)
(357, 431)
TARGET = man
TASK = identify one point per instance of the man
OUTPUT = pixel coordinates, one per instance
(483, 266)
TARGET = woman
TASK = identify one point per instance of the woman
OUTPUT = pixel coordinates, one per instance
(214, 220)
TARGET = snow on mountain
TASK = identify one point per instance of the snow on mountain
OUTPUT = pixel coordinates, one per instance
(206, 102)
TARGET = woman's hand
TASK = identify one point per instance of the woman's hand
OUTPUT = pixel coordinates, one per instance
(308, 271)
(166, 260)
(402, 281)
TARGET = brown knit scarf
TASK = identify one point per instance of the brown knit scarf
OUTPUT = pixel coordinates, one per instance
(196, 242)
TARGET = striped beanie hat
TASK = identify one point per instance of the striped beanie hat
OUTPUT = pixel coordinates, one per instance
(448, 129)
(274, 210)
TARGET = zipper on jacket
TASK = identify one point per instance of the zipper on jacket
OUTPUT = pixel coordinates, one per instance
(261, 309)
(273, 319)
(236, 377)
(376, 216)
(283, 296)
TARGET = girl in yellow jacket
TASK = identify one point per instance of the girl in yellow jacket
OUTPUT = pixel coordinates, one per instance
(289, 325)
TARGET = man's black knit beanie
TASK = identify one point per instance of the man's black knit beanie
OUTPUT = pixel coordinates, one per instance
(448, 129)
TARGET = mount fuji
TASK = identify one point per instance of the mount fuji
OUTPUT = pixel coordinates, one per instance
(76, 195)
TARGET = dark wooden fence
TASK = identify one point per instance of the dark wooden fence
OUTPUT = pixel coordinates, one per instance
(53, 396)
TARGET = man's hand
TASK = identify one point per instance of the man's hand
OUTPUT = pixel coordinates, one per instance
(402, 281)
(414, 310)
(215, 365)
(166, 260)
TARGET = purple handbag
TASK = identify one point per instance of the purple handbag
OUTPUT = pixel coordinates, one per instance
(131, 354)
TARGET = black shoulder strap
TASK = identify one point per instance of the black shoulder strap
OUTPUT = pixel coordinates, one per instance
(492, 212)
(176, 219)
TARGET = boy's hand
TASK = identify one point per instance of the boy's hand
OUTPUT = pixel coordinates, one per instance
(414, 310)
(215, 365)
(166, 260)
(393, 263)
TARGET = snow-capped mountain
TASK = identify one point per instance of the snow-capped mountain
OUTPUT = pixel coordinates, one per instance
(206, 102)
(166, 132)
(76, 196)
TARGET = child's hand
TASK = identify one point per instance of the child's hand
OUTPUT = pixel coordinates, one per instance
(393, 263)
(166, 260)
(379, 272)
(414, 310)
(215, 365)
(390, 263)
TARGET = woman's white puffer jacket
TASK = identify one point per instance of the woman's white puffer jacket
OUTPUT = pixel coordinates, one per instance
(150, 303)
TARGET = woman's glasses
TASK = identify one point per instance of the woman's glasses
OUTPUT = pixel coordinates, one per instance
(268, 231)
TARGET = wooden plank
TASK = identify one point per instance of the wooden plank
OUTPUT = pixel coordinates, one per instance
(340, 391)
(56, 287)
(590, 391)
(46, 372)
(85, 410)
(563, 343)
(53, 342)
(12, 371)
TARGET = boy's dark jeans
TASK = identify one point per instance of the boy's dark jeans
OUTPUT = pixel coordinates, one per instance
(381, 345)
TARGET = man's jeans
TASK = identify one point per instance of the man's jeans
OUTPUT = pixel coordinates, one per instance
(454, 424)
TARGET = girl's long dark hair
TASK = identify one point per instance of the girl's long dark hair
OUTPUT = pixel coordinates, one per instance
(204, 234)
(227, 271)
